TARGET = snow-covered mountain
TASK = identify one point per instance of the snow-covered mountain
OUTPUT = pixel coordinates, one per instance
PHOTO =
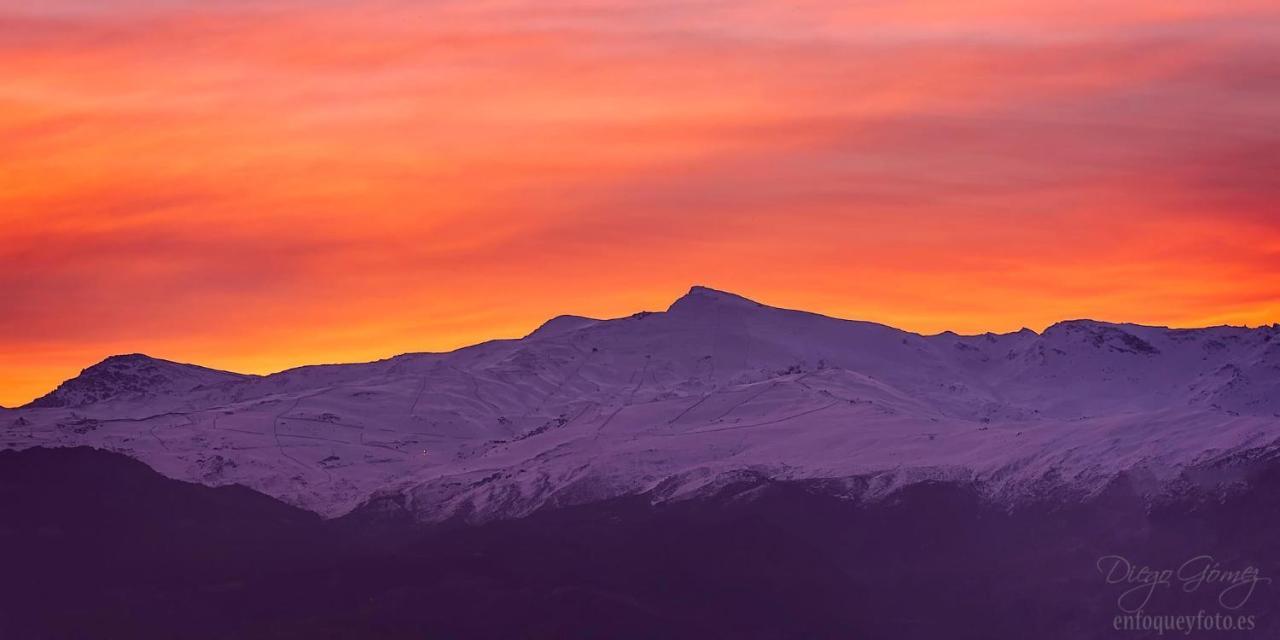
(135, 378)
(673, 404)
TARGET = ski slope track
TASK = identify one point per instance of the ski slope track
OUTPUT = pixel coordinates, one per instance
(715, 390)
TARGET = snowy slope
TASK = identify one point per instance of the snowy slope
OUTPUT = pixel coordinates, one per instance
(714, 389)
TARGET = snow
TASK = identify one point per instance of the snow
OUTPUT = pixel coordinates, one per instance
(678, 402)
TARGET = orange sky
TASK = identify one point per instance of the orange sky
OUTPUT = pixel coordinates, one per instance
(254, 185)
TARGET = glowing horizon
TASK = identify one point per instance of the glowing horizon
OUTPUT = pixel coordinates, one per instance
(260, 184)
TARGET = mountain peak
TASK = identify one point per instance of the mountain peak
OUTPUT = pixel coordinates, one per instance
(130, 375)
(1076, 324)
(700, 297)
(560, 325)
(1112, 336)
(127, 359)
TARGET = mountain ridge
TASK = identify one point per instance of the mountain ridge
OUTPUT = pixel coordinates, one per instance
(686, 399)
(698, 297)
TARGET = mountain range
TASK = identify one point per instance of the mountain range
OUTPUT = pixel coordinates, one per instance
(677, 404)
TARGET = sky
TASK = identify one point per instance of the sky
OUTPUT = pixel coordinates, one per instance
(258, 184)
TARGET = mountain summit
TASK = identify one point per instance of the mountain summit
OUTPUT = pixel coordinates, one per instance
(133, 376)
(700, 297)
